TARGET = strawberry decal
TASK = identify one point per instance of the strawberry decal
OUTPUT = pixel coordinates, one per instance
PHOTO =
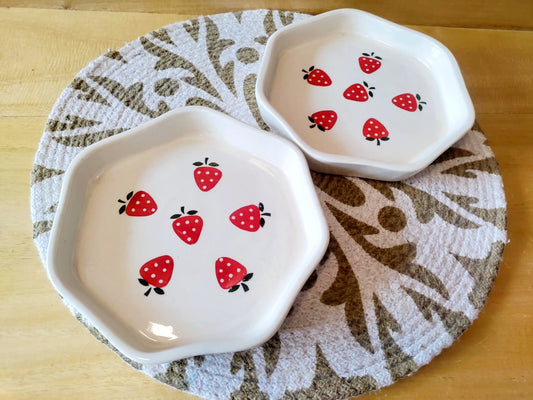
(231, 274)
(374, 130)
(369, 63)
(249, 218)
(323, 120)
(358, 92)
(316, 77)
(408, 102)
(206, 175)
(187, 225)
(156, 274)
(139, 204)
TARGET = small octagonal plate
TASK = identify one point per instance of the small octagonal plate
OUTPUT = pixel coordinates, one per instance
(363, 96)
(188, 235)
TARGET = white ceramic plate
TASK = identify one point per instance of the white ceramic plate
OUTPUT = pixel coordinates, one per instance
(188, 235)
(363, 96)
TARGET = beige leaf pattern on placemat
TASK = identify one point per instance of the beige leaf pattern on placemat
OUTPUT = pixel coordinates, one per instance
(270, 28)
(496, 216)
(166, 87)
(345, 291)
(175, 375)
(286, 17)
(399, 363)
(243, 361)
(248, 88)
(215, 47)
(86, 139)
(162, 35)
(271, 351)
(427, 206)
(466, 170)
(398, 258)
(200, 101)
(238, 15)
(193, 28)
(409, 265)
(455, 322)
(340, 188)
(331, 386)
(70, 122)
(476, 268)
(40, 227)
(89, 93)
(167, 60)
(115, 55)
(40, 173)
(247, 55)
(451, 154)
(131, 96)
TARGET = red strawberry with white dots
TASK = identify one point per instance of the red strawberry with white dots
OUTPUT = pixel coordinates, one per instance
(139, 204)
(408, 102)
(375, 130)
(250, 217)
(358, 92)
(156, 273)
(188, 225)
(323, 120)
(206, 175)
(316, 77)
(369, 63)
(231, 274)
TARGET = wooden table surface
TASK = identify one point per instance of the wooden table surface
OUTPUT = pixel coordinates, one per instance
(46, 354)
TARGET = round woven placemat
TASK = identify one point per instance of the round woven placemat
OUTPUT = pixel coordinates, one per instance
(409, 266)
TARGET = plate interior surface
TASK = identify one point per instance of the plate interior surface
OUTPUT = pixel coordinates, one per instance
(259, 220)
(412, 103)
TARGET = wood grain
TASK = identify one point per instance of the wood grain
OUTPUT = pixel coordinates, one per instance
(47, 354)
(49, 47)
(497, 65)
(503, 14)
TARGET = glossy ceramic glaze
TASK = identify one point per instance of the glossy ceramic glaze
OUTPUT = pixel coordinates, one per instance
(363, 96)
(191, 234)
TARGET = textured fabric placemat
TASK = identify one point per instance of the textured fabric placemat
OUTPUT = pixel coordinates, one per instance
(409, 266)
